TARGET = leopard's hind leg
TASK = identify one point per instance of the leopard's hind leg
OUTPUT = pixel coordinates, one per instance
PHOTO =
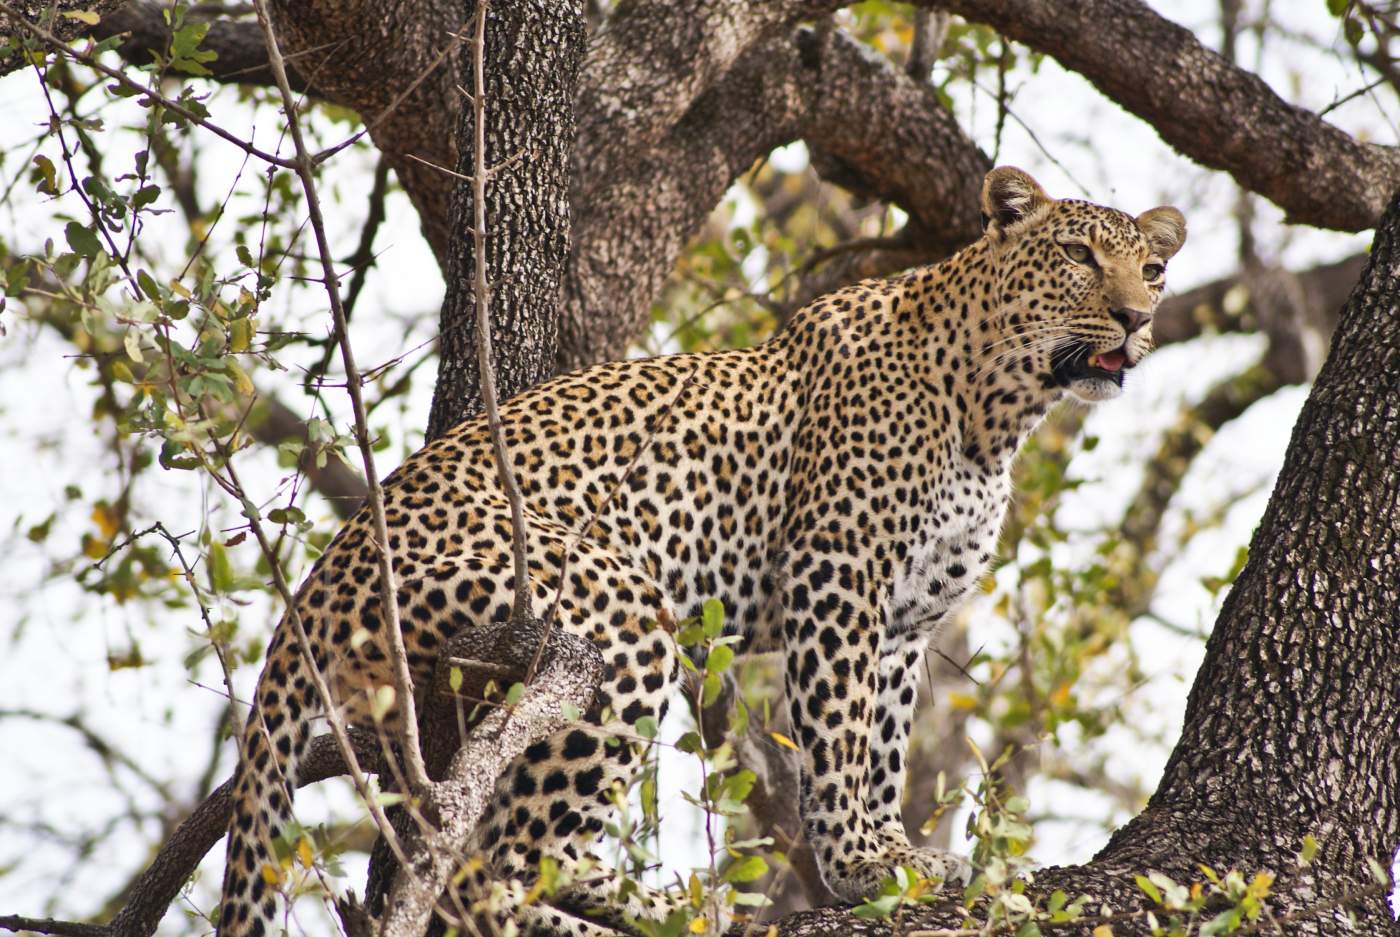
(555, 800)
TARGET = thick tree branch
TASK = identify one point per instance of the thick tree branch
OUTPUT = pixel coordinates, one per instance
(242, 58)
(569, 671)
(533, 51)
(822, 86)
(51, 13)
(1219, 115)
(654, 60)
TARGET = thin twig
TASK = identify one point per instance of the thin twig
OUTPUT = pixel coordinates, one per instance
(36, 925)
(481, 286)
(146, 93)
(304, 166)
(360, 261)
(318, 680)
(393, 105)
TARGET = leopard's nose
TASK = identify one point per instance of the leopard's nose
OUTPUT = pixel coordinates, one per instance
(1131, 319)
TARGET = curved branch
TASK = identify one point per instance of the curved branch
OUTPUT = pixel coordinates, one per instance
(152, 893)
(1218, 115)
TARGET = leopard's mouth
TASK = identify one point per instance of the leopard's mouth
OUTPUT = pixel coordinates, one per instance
(1076, 362)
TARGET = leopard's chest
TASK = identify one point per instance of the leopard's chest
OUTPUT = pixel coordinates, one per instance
(949, 553)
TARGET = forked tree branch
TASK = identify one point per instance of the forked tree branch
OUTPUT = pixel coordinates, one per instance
(569, 671)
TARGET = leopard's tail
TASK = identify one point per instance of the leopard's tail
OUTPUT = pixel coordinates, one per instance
(273, 744)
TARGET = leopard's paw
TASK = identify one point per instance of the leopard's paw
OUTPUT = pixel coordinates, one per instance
(857, 879)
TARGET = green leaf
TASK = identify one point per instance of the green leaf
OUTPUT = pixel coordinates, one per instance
(719, 660)
(185, 53)
(1148, 888)
(288, 515)
(712, 616)
(1223, 923)
(219, 568)
(145, 196)
(1353, 30)
(736, 787)
(515, 693)
(148, 285)
(877, 908)
(82, 239)
(747, 869)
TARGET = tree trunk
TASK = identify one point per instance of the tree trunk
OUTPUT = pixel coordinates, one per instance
(1292, 727)
(533, 50)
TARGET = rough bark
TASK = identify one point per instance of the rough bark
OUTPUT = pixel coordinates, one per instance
(239, 47)
(817, 85)
(569, 669)
(51, 14)
(1291, 727)
(1219, 115)
(394, 61)
(532, 55)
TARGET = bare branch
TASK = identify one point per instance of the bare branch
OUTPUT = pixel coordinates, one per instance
(152, 893)
(403, 680)
(481, 291)
(1219, 115)
(570, 671)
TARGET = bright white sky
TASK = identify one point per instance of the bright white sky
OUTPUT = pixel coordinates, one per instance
(59, 640)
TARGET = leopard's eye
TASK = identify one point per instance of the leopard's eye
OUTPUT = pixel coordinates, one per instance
(1153, 272)
(1079, 253)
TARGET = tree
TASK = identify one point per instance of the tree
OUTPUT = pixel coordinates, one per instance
(665, 127)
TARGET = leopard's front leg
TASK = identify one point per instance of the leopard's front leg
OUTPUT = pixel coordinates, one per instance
(833, 633)
(896, 700)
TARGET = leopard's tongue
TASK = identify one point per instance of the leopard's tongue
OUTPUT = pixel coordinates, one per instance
(1109, 360)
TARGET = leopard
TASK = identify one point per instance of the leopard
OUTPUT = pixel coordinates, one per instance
(838, 488)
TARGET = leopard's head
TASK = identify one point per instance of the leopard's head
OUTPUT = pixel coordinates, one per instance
(1078, 283)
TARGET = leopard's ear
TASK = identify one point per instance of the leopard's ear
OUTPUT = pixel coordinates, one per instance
(1165, 228)
(1009, 196)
